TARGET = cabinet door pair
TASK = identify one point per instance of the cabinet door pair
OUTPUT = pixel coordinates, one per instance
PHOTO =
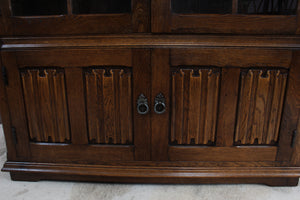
(116, 105)
(52, 17)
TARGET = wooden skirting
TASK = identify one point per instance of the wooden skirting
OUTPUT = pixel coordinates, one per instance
(152, 174)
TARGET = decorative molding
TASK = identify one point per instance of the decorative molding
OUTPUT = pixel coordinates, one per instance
(195, 94)
(109, 105)
(260, 106)
(46, 104)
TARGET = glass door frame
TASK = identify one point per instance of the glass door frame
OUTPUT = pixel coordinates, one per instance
(164, 21)
(74, 24)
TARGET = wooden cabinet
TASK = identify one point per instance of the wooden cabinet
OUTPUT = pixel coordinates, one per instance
(98, 91)
(221, 113)
(83, 108)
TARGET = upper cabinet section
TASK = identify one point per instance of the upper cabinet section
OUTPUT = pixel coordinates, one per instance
(101, 6)
(268, 7)
(225, 16)
(202, 6)
(38, 7)
(74, 17)
(81, 17)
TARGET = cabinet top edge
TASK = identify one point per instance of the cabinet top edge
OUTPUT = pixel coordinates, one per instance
(152, 41)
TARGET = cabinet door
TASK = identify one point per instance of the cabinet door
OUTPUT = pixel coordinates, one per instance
(224, 104)
(225, 16)
(52, 17)
(78, 105)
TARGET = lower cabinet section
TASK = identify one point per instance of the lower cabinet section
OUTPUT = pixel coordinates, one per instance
(152, 115)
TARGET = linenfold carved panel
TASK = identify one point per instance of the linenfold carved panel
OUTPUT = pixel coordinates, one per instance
(260, 106)
(109, 105)
(195, 94)
(46, 104)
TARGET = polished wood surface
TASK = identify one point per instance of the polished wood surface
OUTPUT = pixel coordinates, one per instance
(136, 94)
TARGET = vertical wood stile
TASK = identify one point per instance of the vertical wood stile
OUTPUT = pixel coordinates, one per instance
(235, 6)
(76, 103)
(160, 81)
(228, 104)
(290, 116)
(141, 81)
(70, 7)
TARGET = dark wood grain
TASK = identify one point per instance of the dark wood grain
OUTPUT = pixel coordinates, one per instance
(160, 16)
(264, 43)
(136, 21)
(295, 160)
(260, 106)
(276, 182)
(6, 118)
(16, 105)
(84, 154)
(46, 105)
(74, 58)
(38, 171)
(229, 82)
(227, 106)
(109, 105)
(141, 16)
(234, 24)
(76, 103)
(241, 57)
(160, 83)
(141, 68)
(195, 94)
(291, 111)
(231, 154)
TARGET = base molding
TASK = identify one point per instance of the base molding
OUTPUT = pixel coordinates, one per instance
(272, 176)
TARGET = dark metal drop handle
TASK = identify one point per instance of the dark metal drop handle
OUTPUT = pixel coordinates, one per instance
(160, 104)
(142, 105)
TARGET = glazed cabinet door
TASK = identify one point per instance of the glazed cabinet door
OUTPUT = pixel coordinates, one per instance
(78, 105)
(224, 104)
(56, 17)
(225, 16)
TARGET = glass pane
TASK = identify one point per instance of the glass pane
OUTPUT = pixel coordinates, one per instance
(38, 7)
(101, 6)
(268, 7)
(202, 6)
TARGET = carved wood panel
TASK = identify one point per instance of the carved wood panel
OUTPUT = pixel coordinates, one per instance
(109, 105)
(260, 106)
(194, 99)
(46, 105)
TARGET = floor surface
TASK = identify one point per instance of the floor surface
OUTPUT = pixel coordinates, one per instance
(55, 190)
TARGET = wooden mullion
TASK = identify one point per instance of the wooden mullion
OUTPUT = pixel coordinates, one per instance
(5, 22)
(235, 6)
(160, 16)
(228, 106)
(70, 7)
(291, 114)
(298, 18)
(76, 105)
